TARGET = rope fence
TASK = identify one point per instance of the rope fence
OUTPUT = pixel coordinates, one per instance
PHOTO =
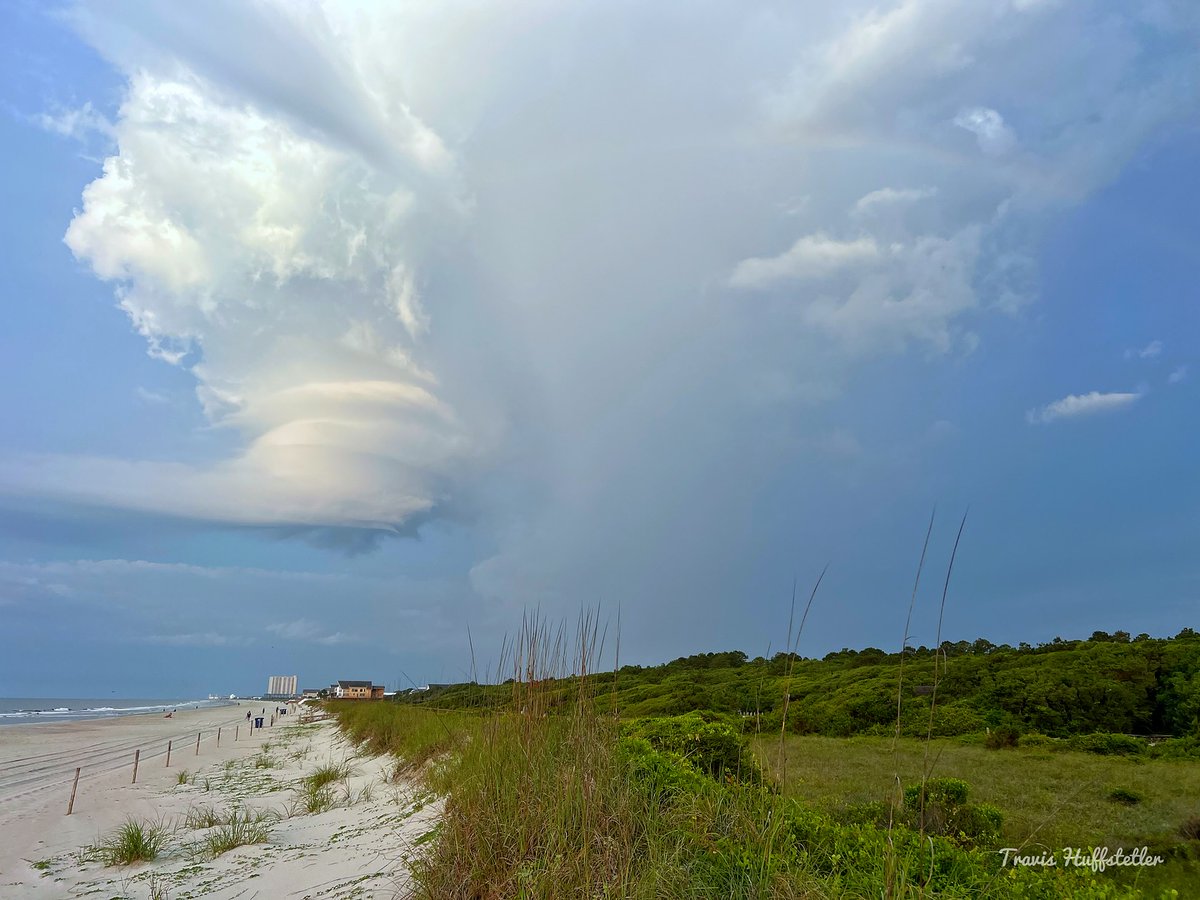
(138, 756)
(67, 768)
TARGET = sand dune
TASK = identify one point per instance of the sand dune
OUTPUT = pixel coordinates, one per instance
(359, 847)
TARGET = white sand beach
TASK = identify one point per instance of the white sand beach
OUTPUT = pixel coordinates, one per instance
(358, 847)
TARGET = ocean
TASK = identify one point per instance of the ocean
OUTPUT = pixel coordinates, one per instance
(24, 710)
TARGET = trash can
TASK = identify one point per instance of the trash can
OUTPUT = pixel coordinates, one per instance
(258, 721)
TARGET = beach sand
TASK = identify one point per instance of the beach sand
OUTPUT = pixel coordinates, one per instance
(357, 848)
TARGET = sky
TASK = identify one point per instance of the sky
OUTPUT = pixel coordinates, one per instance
(338, 335)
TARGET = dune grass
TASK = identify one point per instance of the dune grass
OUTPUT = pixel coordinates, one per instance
(134, 841)
(202, 817)
(326, 774)
(239, 828)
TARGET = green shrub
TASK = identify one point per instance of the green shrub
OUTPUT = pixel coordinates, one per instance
(1003, 737)
(663, 775)
(1190, 829)
(943, 809)
(952, 791)
(715, 747)
(1107, 744)
(1177, 748)
(1126, 796)
(980, 824)
(1037, 739)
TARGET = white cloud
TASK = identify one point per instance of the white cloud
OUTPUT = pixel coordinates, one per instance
(994, 136)
(198, 639)
(888, 197)
(1152, 350)
(80, 123)
(409, 280)
(884, 297)
(1178, 374)
(1077, 405)
(153, 397)
(811, 256)
(239, 240)
(309, 631)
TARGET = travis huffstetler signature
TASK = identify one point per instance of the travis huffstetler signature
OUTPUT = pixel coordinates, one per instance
(1096, 858)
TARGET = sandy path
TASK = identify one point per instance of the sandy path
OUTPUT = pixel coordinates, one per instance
(356, 848)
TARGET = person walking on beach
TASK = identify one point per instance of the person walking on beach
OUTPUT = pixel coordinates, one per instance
(247, 715)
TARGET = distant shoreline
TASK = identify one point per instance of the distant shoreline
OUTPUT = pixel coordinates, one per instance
(37, 710)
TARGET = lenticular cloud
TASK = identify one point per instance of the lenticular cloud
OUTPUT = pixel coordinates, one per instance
(282, 268)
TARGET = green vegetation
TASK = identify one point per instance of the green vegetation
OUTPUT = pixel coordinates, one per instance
(1111, 686)
(315, 789)
(1126, 796)
(264, 760)
(234, 827)
(238, 829)
(135, 841)
(665, 781)
(326, 774)
(202, 817)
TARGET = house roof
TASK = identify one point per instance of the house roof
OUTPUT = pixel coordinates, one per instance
(347, 684)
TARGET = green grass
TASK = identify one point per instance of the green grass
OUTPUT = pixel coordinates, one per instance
(414, 735)
(566, 806)
(1053, 798)
(134, 841)
(549, 794)
(202, 817)
(264, 760)
(315, 794)
(182, 776)
(314, 800)
(1049, 799)
(239, 828)
(326, 774)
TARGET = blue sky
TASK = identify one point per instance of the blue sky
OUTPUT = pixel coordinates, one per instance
(330, 331)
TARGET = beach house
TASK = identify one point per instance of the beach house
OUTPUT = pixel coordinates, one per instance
(356, 690)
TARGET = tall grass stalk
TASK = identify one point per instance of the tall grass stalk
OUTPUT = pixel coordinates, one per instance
(791, 650)
(898, 788)
(927, 769)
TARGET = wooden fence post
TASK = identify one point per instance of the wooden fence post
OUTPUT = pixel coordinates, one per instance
(197, 743)
(218, 737)
(136, 756)
(74, 787)
(236, 729)
(168, 762)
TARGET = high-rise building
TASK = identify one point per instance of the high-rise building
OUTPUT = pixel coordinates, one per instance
(281, 686)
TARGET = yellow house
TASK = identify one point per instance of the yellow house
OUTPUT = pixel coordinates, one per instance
(356, 690)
